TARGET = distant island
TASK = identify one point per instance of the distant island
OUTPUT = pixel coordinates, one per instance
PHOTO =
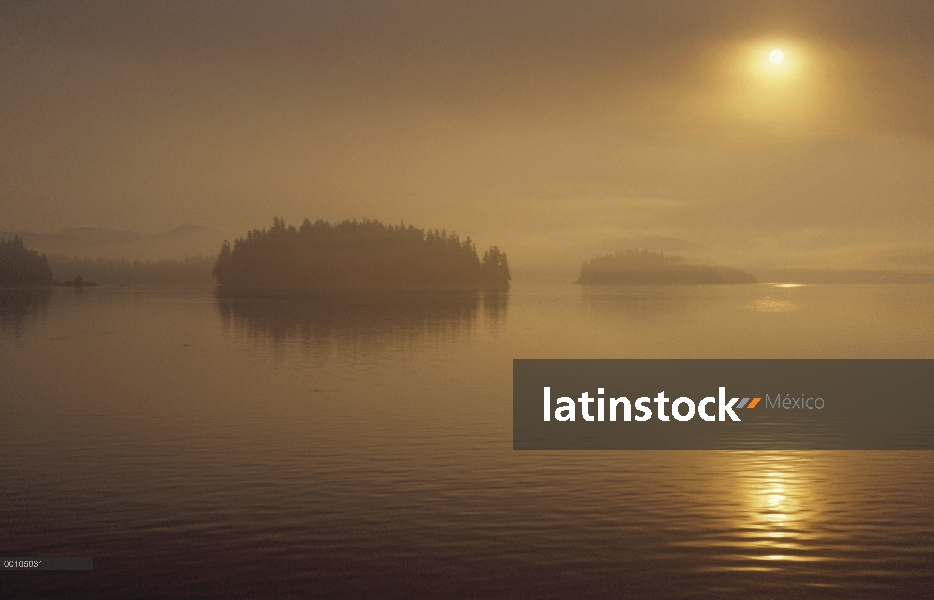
(356, 256)
(77, 282)
(644, 267)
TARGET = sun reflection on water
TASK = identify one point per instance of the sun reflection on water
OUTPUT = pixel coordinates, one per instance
(777, 520)
(772, 305)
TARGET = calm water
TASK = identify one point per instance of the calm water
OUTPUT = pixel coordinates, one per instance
(361, 447)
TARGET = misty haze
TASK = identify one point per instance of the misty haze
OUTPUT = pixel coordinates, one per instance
(265, 268)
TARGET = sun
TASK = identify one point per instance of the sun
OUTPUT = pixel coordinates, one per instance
(776, 57)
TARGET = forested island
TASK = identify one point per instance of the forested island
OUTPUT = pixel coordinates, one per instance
(21, 266)
(356, 256)
(645, 267)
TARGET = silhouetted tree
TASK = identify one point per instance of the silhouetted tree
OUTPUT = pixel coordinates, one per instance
(355, 255)
(494, 269)
(19, 266)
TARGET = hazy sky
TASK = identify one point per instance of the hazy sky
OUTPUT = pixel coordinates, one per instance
(549, 128)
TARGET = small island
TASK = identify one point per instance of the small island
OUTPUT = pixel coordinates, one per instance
(356, 256)
(78, 282)
(634, 267)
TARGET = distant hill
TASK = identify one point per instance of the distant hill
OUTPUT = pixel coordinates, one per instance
(92, 235)
(94, 242)
(646, 267)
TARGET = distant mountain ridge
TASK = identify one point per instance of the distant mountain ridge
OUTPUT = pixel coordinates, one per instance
(97, 242)
(90, 235)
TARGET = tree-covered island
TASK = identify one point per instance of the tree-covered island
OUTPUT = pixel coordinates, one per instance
(356, 256)
(645, 267)
(21, 266)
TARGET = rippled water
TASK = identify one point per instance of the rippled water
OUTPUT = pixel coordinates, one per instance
(361, 447)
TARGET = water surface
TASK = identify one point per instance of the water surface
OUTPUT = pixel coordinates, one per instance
(361, 447)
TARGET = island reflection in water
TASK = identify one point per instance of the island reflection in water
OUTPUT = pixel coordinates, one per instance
(21, 307)
(391, 317)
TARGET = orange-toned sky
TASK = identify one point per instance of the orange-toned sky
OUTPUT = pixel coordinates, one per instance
(553, 129)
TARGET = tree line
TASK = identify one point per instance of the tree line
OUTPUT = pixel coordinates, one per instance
(352, 255)
(20, 266)
(349, 255)
(192, 270)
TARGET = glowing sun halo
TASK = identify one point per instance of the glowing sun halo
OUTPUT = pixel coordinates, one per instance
(776, 57)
